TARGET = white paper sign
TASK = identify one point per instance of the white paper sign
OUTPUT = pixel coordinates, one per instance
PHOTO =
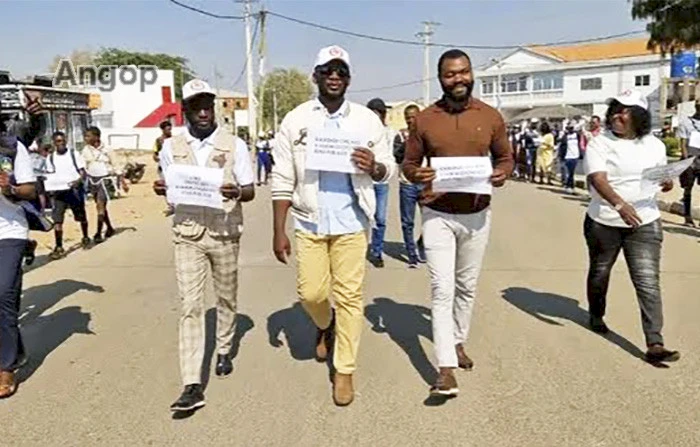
(330, 150)
(462, 174)
(694, 141)
(194, 185)
(653, 177)
(54, 182)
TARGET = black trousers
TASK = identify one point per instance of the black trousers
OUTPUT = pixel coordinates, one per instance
(642, 250)
(11, 346)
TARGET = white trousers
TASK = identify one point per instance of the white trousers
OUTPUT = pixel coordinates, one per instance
(454, 245)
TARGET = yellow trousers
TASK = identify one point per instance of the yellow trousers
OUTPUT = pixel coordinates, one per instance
(334, 264)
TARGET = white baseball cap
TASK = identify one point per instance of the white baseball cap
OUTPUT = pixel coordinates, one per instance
(332, 53)
(630, 98)
(196, 87)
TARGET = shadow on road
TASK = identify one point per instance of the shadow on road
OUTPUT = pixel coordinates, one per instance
(396, 250)
(44, 259)
(675, 228)
(405, 324)
(299, 332)
(548, 306)
(42, 334)
(244, 324)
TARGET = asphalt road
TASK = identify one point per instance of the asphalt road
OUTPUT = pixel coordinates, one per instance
(101, 327)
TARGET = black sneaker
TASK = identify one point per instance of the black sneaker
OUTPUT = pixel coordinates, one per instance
(224, 365)
(413, 263)
(191, 399)
(98, 239)
(30, 252)
(86, 243)
(598, 325)
(109, 233)
(376, 261)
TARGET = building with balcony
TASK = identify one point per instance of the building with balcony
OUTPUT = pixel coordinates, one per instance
(582, 76)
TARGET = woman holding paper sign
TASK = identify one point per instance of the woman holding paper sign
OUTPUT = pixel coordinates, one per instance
(622, 217)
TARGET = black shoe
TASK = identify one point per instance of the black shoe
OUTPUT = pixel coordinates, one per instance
(413, 263)
(86, 243)
(659, 354)
(224, 365)
(109, 233)
(191, 399)
(98, 239)
(30, 252)
(598, 325)
(376, 261)
(57, 253)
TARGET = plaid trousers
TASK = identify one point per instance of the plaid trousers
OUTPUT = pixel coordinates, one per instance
(193, 258)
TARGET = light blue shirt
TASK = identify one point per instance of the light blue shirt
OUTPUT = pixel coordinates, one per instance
(338, 209)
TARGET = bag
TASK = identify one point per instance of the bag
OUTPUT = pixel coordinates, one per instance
(32, 208)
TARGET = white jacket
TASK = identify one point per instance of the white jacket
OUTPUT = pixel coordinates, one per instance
(291, 180)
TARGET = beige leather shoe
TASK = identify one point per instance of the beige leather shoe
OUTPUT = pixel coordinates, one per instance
(343, 392)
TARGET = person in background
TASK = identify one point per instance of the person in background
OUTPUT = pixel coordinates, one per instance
(264, 158)
(545, 154)
(689, 134)
(166, 129)
(67, 164)
(409, 193)
(569, 154)
(622, 216)
(381, 192)
(17, 183)
(528, 141)
(205, 239)
(333, 211)
(100, 168)
(591, 131)
(456, 226)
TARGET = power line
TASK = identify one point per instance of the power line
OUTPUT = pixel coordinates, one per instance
(415, 43)
(206, 13)
(449, 45)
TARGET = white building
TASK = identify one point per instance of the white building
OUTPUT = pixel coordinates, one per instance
(129, 115)
(582, 76)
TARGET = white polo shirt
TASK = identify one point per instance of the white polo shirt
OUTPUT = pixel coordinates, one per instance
(202, 149)
(623, 160)
(13, 223)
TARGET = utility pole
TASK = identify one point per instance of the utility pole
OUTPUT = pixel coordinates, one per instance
(274, 110)
(262, 48)
(425, 36)
(252, 115)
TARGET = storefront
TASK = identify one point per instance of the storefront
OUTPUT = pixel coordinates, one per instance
(66, 110)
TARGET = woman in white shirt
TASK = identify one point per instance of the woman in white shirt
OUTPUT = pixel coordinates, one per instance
(623, 215)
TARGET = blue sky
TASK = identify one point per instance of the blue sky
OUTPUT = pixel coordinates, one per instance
(34, 31)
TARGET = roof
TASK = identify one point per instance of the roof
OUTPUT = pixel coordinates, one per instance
(223, 93)
(552, 112)
(595, 51)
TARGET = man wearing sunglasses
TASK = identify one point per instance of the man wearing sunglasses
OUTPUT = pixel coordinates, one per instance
(333, 212)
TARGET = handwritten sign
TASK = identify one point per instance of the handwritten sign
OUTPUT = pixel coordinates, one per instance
(331, 149)
(462, 174)
(194, 185)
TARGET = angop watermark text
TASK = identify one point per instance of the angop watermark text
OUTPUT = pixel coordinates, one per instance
(104, 77)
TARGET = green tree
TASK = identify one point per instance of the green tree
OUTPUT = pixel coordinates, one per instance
(179, 64)
(674, 25)
(291, 87)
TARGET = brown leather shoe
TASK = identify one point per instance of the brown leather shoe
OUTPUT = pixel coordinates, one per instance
(343, 392)
(8, 386)
(324, 338)
(446, 384)
(463, 360)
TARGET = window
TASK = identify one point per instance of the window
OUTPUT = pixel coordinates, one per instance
(225, 104)
(547, 81)
(514, 84)
(487, 87)
(591, 83)
(642, 80)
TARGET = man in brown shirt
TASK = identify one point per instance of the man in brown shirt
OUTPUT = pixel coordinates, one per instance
(455, 225)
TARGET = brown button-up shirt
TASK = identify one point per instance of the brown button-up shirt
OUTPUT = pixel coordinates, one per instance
(478, 131)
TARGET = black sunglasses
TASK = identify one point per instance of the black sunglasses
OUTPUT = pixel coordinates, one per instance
(327, 70)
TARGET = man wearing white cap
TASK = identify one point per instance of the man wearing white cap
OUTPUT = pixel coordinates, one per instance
(333, 212)
(206, 238)
(623, 216)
